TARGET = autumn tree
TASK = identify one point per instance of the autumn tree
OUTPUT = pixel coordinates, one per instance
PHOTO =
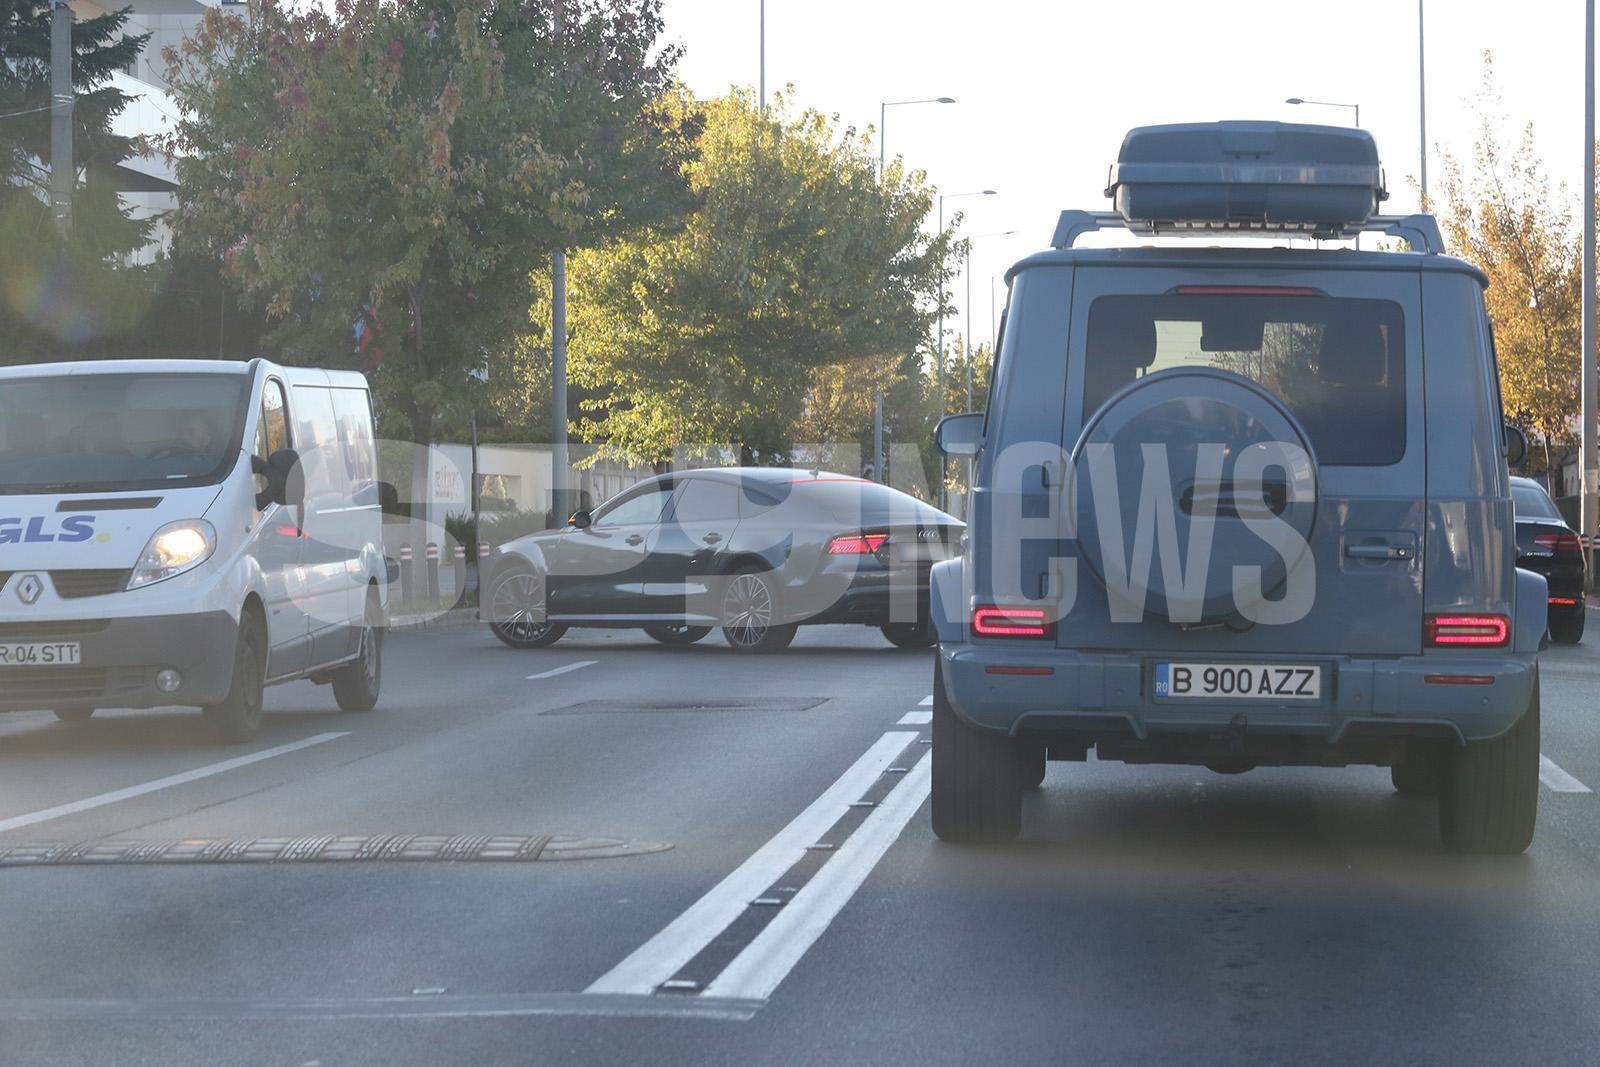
(381, 176)
(1501, 213)
(795, 258)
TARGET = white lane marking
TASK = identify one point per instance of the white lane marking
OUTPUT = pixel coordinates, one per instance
(927, 701)
(168, 782)
(757, 971)
(578, 666)
(1557, 779)
(915, 718)
(682, 939)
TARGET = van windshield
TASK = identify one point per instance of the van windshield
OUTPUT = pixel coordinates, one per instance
(103, 433)
(1338, 364)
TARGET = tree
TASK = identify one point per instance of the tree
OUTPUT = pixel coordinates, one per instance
(384, 174)
(61, 293)
(1503, 216)
(795, 258)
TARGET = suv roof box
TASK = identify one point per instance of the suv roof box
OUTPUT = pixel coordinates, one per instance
(1323, 181)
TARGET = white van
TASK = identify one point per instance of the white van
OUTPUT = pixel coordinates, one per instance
(186, 532)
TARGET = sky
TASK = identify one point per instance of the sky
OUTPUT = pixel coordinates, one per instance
(1045, 89)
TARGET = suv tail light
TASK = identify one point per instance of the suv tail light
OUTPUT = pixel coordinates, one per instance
(862, 544)
(1562, 543)
(1481, 631)
(994, 621)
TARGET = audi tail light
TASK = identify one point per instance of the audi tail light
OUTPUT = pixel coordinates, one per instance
(1561, 542)
(863, 544)
(1456, 631)
(996, 621)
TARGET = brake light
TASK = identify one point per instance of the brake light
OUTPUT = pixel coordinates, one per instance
(1009, 622)
(856, 544)
(1248, 290)
(1565, 601)
(1484, 631)
(1562, 542)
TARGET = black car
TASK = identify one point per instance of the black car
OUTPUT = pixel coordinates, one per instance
(1545, 543)
(757, 551)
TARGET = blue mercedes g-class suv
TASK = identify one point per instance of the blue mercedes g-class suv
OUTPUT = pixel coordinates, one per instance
(1241, 506)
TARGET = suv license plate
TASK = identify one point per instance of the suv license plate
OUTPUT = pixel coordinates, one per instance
(41, 654)
(1234, 681)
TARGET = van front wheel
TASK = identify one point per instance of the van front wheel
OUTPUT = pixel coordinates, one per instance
(1489, 792)
(977, 778)
(239, 714)
(356, 685)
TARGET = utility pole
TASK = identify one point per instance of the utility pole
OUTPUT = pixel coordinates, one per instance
(1587, 462)
(63, 172)
(1422, 106)
(763, 76)
(558, 386)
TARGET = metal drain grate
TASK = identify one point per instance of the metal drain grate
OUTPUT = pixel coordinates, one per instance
(330, 848)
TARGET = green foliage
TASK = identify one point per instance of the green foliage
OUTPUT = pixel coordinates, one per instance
(795, 258)
(403, 165)
(62, 294)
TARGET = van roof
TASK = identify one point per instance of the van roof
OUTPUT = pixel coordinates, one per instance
(1249, 259)
(128, 366)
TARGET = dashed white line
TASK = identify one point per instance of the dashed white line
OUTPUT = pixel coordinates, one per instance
(926, 702)
(563, 670)
(915, 718)
(682, 939)
(1558, 780)
(117, 795)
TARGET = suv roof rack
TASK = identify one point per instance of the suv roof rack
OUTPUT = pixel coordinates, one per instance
(1421, 232)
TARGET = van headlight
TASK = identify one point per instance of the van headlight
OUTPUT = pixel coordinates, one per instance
(175, 548)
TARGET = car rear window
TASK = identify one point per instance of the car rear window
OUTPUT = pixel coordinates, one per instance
(1530, 502)
(1337, 364)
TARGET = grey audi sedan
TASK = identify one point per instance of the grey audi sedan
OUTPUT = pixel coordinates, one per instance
(757, 551)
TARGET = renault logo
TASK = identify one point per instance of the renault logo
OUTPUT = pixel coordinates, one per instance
(29, 589)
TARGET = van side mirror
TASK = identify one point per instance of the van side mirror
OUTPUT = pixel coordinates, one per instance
(388, 498)
(286, 482)
(1515, 445)
(959, 435)
(581, 520)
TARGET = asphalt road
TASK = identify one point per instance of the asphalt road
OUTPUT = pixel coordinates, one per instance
(1148, 914)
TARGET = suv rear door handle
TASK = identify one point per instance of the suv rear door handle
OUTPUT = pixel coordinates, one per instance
(1378, 551)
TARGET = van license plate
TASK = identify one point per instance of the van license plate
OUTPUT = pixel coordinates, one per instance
(41, 654)
(1234, 681)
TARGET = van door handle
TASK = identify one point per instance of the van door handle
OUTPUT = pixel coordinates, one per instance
(634, 539)
(1381, 552)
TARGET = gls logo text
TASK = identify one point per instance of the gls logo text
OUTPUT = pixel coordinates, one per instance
(73, 529)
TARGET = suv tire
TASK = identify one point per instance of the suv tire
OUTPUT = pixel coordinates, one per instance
(977, 780)
(239, 714)
(1489, 792)
(357, 684)
(1031, 761)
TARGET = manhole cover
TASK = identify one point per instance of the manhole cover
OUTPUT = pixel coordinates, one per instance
(635, 707)
(330, 848)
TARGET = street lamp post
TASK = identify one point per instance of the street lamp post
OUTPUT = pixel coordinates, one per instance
(878, 463)
(1422, 107)
(1589, 451)
(938, 378)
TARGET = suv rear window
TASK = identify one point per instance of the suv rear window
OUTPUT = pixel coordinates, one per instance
(1338, 364)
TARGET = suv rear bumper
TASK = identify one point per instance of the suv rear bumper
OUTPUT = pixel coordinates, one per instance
(120, 661)
(1092, 693)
